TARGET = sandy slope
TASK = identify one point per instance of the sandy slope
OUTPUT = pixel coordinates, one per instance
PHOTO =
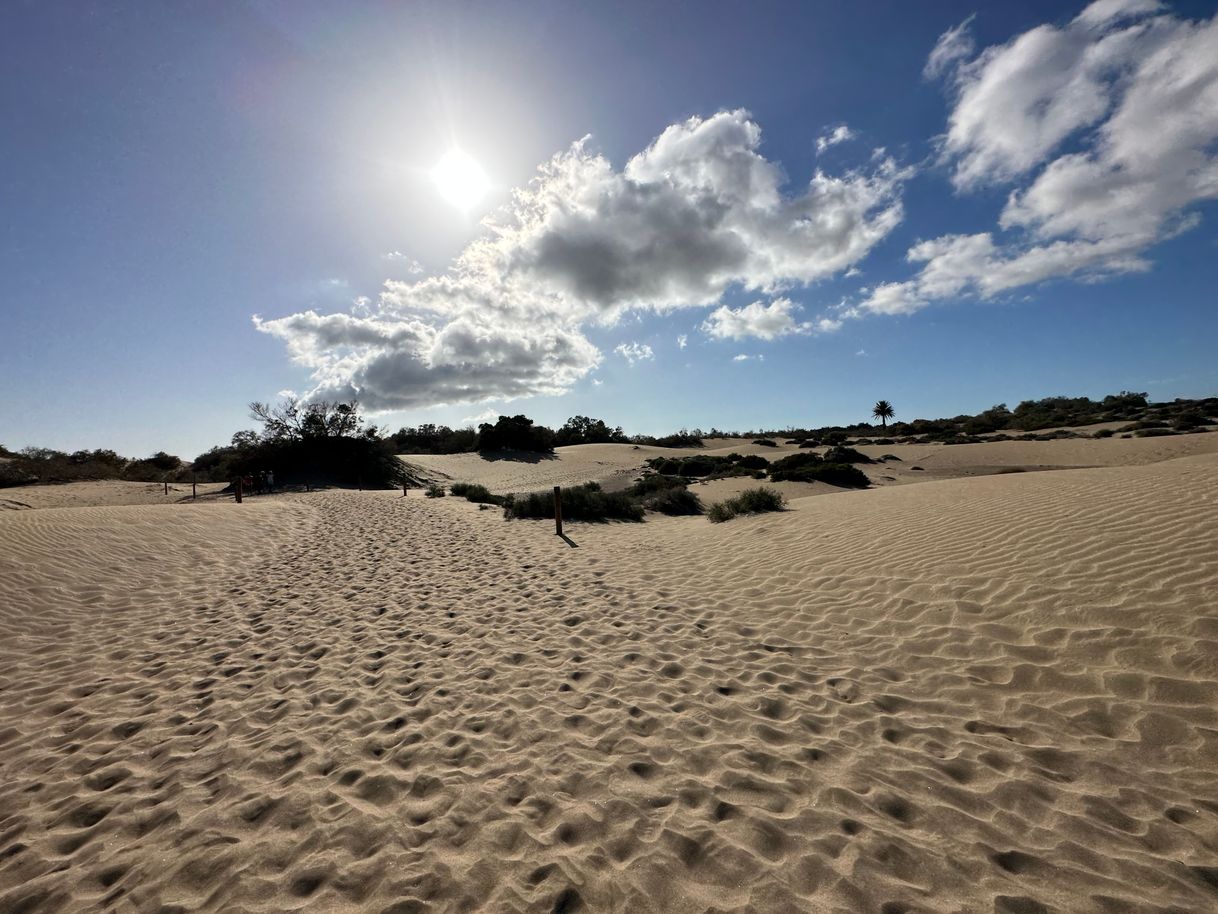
(102, 492)
(994, 694)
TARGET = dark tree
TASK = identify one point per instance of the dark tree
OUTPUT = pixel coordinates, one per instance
(883, 411)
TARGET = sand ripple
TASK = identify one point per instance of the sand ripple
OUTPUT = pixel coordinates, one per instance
(991, 694)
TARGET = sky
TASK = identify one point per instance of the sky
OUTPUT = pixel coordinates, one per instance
(732, 215)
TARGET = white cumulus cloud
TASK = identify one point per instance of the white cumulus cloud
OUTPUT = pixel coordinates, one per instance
(765, 322)
(1105, 131)
(696, 212)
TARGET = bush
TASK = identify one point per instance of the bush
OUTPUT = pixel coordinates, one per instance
(843, 475)
(682, 438)
(753, 462)
(1155, 433)
(654, 483)
(811, 468)
(765, 442)
(1104, 433)
(845, 455)
(1186, 421)
(751, 501)
(586, 502)
(434, 491)
(676, 501)
(809, 442)
(473, 492)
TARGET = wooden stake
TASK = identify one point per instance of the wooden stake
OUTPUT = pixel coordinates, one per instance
(238, 490)
(166, 486)
(194, 489)
(403, 488)
(557, 511)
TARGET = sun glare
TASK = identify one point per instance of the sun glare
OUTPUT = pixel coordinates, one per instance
(460, 180)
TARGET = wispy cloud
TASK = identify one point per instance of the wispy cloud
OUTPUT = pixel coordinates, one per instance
(635, 352)
(412, 266)
(839, 134)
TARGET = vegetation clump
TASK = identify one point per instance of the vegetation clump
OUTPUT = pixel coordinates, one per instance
(750, 501)
(583, 430)
(812, 468)
(515, 433)
(585, 502)
(476, 493)
(765, 442)
(843, 454)
(434, 491)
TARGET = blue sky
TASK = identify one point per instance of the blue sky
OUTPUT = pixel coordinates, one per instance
(1021, 204)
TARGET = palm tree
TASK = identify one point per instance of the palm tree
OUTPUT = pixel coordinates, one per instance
(883, 411)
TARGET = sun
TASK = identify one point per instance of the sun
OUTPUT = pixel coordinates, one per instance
(460, 180)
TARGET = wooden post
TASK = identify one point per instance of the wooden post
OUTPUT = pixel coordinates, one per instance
(238, 490)
(360, 482)
(166, 486)
(557, 511)
(403, 488)
(194, 489)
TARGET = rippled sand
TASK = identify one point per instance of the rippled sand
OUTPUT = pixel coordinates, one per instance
(991, 694)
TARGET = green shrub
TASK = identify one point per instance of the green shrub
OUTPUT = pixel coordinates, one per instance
(753, 462)
(1155, 432)
(842, 454)
(473, 492)
(1104, 433)
(586, 502)
(677, 501)
(434, 491)
(654, 483)
(750, 501)
(835, 474)
(765, 442)
(1188, 420)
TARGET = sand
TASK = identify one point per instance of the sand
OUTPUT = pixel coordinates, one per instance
(982, 694)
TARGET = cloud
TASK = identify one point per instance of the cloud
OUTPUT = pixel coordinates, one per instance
(682, 341)
(700, 210)
(391, 363)
(748, 358)
(839, 134)
(635, 352)
(954, 45)
(1104, 129)
(413, 267)
(487, 415)
(765, 322)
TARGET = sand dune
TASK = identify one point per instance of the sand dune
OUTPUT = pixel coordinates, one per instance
(993, 694)
(615, 466)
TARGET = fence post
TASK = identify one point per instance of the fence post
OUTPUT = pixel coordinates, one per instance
(238, 490)
(557, 511)
(166, 486)
(194, 489)
(403, 488)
